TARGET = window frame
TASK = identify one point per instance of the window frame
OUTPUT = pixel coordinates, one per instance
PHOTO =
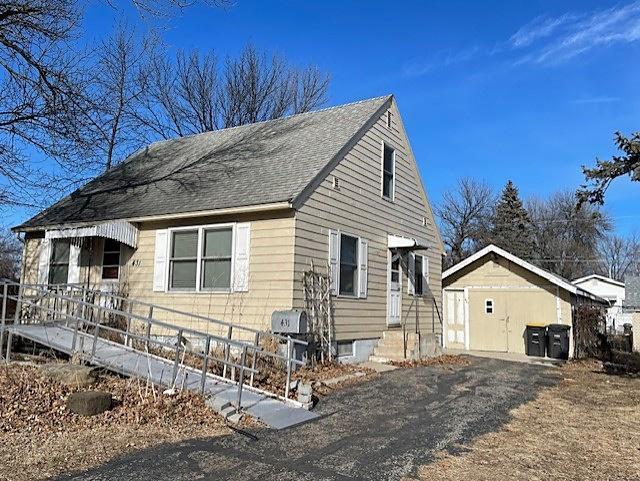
(392, 197)
(489, 304)
(204, 258)
(199, 257)
(54, 264)
(119, 265)
(356, 286)
(350, 343)
(422, 277)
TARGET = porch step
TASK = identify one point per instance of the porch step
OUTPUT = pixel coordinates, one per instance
(393, 336)
(391, 347)
(392, 351)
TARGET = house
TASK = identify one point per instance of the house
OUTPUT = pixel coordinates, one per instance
(491, 296)
(224, 224)
(609, 289)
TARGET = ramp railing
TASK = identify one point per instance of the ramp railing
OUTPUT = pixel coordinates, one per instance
(226, 351)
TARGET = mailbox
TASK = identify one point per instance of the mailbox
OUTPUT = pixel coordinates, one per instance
(289, 322)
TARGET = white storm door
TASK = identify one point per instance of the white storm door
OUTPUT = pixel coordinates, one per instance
(394, 302)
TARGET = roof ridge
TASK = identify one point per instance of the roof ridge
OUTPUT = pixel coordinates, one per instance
(279, 119)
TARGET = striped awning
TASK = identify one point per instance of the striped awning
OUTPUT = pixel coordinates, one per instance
(118, 230)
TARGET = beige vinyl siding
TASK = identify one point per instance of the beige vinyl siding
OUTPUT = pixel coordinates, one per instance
(521, 294)
(270, 274)
(270, 271)
(501, 273)
(358, 208)
(31, 257)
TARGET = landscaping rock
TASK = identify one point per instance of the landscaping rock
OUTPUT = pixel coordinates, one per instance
(89, 403)
(70, 374)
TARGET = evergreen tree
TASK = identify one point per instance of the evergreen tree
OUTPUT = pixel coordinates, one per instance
(511, 227)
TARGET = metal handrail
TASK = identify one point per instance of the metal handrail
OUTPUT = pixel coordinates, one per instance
(56, 292)
(167, 309)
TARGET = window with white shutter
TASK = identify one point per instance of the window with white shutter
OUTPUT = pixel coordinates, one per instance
(364, 268)
(241, 261)
(43, 261)
(160, 261)
(348, 264)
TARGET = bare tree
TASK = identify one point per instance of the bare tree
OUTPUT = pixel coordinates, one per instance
(465, 214)
(165, 8)
(38, 89)
(619, 256)
(114, 92)
(566, 236)
(192, 96)
(10, 253)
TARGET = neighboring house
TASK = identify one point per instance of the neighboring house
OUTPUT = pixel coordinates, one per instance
(225, 223)
(491, 296)
(609, 289)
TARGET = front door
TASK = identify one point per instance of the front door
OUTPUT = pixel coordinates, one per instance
(394, 303)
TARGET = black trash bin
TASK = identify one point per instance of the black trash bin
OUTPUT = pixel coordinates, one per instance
(536, 339)
(558, 341)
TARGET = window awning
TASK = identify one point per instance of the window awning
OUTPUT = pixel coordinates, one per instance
(118, 230)
(407, 243)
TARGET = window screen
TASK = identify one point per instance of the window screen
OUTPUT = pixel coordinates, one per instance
(184, 259)
(216, 259)
(59, 262)
(111, 259)
(348, 265)
(419, 275)
(388, 171)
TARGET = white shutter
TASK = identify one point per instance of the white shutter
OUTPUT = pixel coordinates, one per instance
(160, 261)
(425, 273)
(241, 258)
(363, 268)
(334, 259)
(411, 273)
(73, 274)
(43, 261)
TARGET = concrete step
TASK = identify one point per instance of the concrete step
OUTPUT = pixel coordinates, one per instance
(391, 351)
(398, 336)
(397, 343)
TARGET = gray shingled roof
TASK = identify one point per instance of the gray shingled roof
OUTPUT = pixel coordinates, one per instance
(253, 164)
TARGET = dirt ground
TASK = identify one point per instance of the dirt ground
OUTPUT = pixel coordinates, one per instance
(40, 438)
(586, 428)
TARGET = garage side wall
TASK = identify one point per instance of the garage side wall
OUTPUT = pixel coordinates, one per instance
(531, 297)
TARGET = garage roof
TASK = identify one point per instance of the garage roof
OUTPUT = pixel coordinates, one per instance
(553, 278)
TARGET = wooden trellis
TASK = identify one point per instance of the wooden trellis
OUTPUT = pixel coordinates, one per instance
(319, 307)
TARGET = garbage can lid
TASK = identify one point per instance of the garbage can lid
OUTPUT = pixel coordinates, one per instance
(536, 324)
(559, 327)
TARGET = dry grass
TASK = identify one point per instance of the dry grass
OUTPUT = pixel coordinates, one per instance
(586, 428)
(40, 438)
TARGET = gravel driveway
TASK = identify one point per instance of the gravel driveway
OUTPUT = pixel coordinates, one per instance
(379, 430)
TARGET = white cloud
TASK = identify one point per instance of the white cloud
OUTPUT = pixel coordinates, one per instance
(443, 58)
(555, 40)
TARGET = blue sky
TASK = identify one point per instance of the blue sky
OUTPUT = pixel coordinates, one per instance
(527, 91)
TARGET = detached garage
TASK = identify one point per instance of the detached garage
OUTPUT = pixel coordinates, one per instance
(490, 298)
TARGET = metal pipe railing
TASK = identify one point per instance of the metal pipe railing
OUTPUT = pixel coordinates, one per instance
(88, 308)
